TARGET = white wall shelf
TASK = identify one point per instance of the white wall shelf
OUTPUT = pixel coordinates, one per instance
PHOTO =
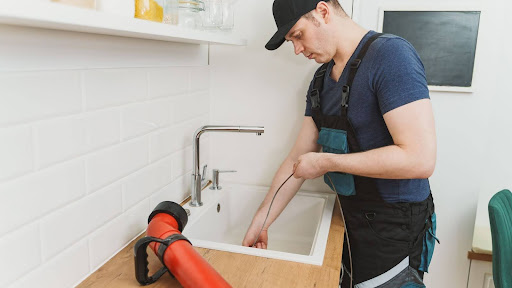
(69, 18)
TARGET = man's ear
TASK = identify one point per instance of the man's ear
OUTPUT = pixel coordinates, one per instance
(324, 11)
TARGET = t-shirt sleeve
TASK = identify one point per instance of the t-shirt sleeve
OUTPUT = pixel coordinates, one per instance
(308, 101)
(398, 76)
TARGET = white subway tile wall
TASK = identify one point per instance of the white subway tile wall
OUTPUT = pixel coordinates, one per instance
(18, 249)
(66, 226)
(113, 87)
(161, 79)
(142, 118)
(105, 241)
(193, 106)
(15, 152)
(61, 271)
(174, 192)
(58, 140)
(32, 196)
(113, 163)
(145, 182)
(31, 96)
(85, 156)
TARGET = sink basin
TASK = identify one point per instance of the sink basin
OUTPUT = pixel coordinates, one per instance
(299, 234)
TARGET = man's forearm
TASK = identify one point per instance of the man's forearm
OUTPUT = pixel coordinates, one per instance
(283, 197)
(389, 162)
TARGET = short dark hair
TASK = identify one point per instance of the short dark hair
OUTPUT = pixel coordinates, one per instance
(334, 4)
(309, 16)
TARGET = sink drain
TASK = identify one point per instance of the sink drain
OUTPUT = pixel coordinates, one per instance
(218, 207)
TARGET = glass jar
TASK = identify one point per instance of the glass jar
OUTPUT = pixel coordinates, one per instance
(190, 14)
(171, 12)
(228, 15)
(212, 16)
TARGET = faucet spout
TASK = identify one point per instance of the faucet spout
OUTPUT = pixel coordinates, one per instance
(196, 176)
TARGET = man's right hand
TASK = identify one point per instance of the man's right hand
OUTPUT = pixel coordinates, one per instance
(252, 233)
(306, 142)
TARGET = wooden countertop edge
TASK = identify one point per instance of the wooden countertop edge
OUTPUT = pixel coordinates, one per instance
(118, 272)
(479, 256)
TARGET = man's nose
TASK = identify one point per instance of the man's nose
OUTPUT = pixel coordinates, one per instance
(298, 48)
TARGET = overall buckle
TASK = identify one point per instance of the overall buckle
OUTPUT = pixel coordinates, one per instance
(345, 91)
(321, 73)
(315, 98)
(355, 63)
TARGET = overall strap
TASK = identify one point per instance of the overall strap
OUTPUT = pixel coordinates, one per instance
(318, 84)
(353, 69)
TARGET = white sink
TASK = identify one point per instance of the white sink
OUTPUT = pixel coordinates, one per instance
(299, 234)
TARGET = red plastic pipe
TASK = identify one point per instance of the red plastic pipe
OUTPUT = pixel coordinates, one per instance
(180, 258)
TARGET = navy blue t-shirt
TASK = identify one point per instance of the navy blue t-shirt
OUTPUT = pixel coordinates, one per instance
(390, 75)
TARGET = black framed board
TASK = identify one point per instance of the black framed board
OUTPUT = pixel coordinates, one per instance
(446, 41)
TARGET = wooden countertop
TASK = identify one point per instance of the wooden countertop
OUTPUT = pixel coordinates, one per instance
(238, 269)
(479, 256)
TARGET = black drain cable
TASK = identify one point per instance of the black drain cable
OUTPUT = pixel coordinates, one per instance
(256, 240)
(342, 217)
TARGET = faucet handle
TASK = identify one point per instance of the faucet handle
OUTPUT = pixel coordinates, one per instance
(224, 171)
(215, 178)
(204, 172)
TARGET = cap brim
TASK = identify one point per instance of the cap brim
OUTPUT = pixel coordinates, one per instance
(278, 39)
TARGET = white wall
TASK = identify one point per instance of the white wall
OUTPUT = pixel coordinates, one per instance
(498, 155)
(253, 86)
(95, 131)
(497, 166)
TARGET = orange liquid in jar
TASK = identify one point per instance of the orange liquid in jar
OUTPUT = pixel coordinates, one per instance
(148, 10)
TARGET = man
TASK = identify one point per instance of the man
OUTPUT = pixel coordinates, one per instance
(368, 108)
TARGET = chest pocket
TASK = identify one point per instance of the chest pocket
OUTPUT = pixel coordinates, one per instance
(335, 141)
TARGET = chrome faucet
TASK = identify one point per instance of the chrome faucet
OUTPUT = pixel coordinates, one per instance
(196, 176)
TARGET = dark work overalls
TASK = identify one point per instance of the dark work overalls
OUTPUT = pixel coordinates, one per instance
(382, 235)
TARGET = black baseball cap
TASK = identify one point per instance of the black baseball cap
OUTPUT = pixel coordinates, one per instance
(286, 14)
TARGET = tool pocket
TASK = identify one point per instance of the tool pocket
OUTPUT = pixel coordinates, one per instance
(388, 228)
(429, 241)
(335, 141)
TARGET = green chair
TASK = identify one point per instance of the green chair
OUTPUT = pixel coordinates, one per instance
(500, 216)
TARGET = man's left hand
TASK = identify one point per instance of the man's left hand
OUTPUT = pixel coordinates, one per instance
(309, 166)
